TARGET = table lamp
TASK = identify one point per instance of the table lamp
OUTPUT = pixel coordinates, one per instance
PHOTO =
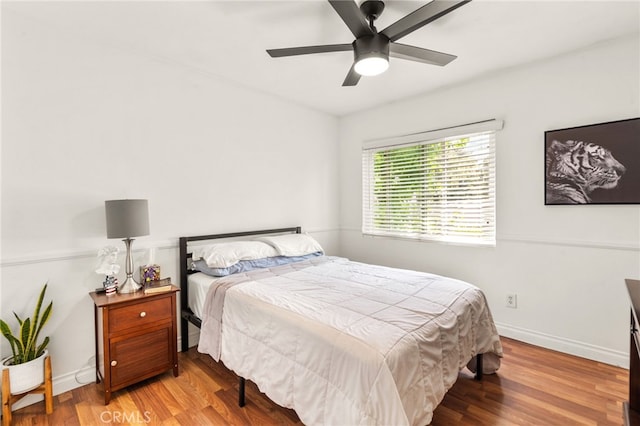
(127, 219)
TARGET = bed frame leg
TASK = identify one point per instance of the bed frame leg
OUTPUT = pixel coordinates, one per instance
(184, 334)
(478, 367)
(241, 391)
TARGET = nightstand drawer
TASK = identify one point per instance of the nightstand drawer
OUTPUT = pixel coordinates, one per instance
(140, 314)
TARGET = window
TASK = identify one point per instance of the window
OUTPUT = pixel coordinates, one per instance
(437, 185)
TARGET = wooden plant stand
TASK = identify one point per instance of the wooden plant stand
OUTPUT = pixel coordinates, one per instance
(8, 400)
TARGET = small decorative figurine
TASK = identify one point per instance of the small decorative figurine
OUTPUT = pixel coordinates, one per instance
(110, 285)
(107, 258)
(106, 264)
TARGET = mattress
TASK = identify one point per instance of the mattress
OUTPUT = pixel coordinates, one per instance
(199, 285)
(343, 342)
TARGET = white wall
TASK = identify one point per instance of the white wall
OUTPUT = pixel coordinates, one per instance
(566, 264)
(84, 121)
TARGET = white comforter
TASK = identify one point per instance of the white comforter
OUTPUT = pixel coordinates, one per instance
(347, 343)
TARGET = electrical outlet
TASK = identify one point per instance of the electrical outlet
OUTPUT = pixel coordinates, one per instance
(511, 301)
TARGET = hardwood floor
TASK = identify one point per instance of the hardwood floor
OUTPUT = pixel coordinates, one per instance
(534, 386)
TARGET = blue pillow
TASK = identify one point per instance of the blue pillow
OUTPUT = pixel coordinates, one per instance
(249, 265)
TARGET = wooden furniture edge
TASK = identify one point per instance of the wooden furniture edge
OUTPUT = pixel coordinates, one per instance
(631, 408)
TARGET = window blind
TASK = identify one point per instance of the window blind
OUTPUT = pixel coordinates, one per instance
(440, 189)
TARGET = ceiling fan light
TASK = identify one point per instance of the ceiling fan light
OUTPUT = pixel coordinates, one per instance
(371, 65)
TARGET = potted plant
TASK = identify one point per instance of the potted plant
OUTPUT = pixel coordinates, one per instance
(26, 365)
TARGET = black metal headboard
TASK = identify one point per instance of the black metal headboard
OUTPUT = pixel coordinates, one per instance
(187, 316)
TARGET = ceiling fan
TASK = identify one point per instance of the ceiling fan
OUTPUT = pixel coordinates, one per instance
(371, 48)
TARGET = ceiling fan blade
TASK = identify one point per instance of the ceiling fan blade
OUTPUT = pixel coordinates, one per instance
(420, 17)
(418, 54)
(352, 77)
(306, 50)
(351, 15)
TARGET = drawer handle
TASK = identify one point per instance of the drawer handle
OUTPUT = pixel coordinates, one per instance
(114, 363)
(143, 314)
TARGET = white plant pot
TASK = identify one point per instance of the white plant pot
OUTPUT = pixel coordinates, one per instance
(27, 376)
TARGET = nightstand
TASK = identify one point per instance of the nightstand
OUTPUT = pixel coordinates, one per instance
(136, 337)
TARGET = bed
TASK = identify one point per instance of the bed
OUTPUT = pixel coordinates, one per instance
(338, 341)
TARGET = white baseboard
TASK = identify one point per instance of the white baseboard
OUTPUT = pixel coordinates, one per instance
(194, 337)
(560, 344)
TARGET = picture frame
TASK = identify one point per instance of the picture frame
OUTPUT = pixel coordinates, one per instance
(149, 273)
(593, 164)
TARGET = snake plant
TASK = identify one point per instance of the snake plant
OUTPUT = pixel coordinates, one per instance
(25, 345)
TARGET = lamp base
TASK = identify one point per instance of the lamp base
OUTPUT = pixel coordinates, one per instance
(129, 286)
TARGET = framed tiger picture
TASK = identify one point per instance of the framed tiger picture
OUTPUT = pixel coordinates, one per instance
(593, 164)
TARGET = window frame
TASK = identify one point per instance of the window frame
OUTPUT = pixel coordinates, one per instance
(422, 139)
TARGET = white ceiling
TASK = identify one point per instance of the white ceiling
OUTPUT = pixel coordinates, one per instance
(227, 39)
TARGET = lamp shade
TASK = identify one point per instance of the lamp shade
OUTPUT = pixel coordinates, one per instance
(127, 218)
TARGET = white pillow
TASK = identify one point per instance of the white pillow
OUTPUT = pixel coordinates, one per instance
(223, 255)
(293, 244)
